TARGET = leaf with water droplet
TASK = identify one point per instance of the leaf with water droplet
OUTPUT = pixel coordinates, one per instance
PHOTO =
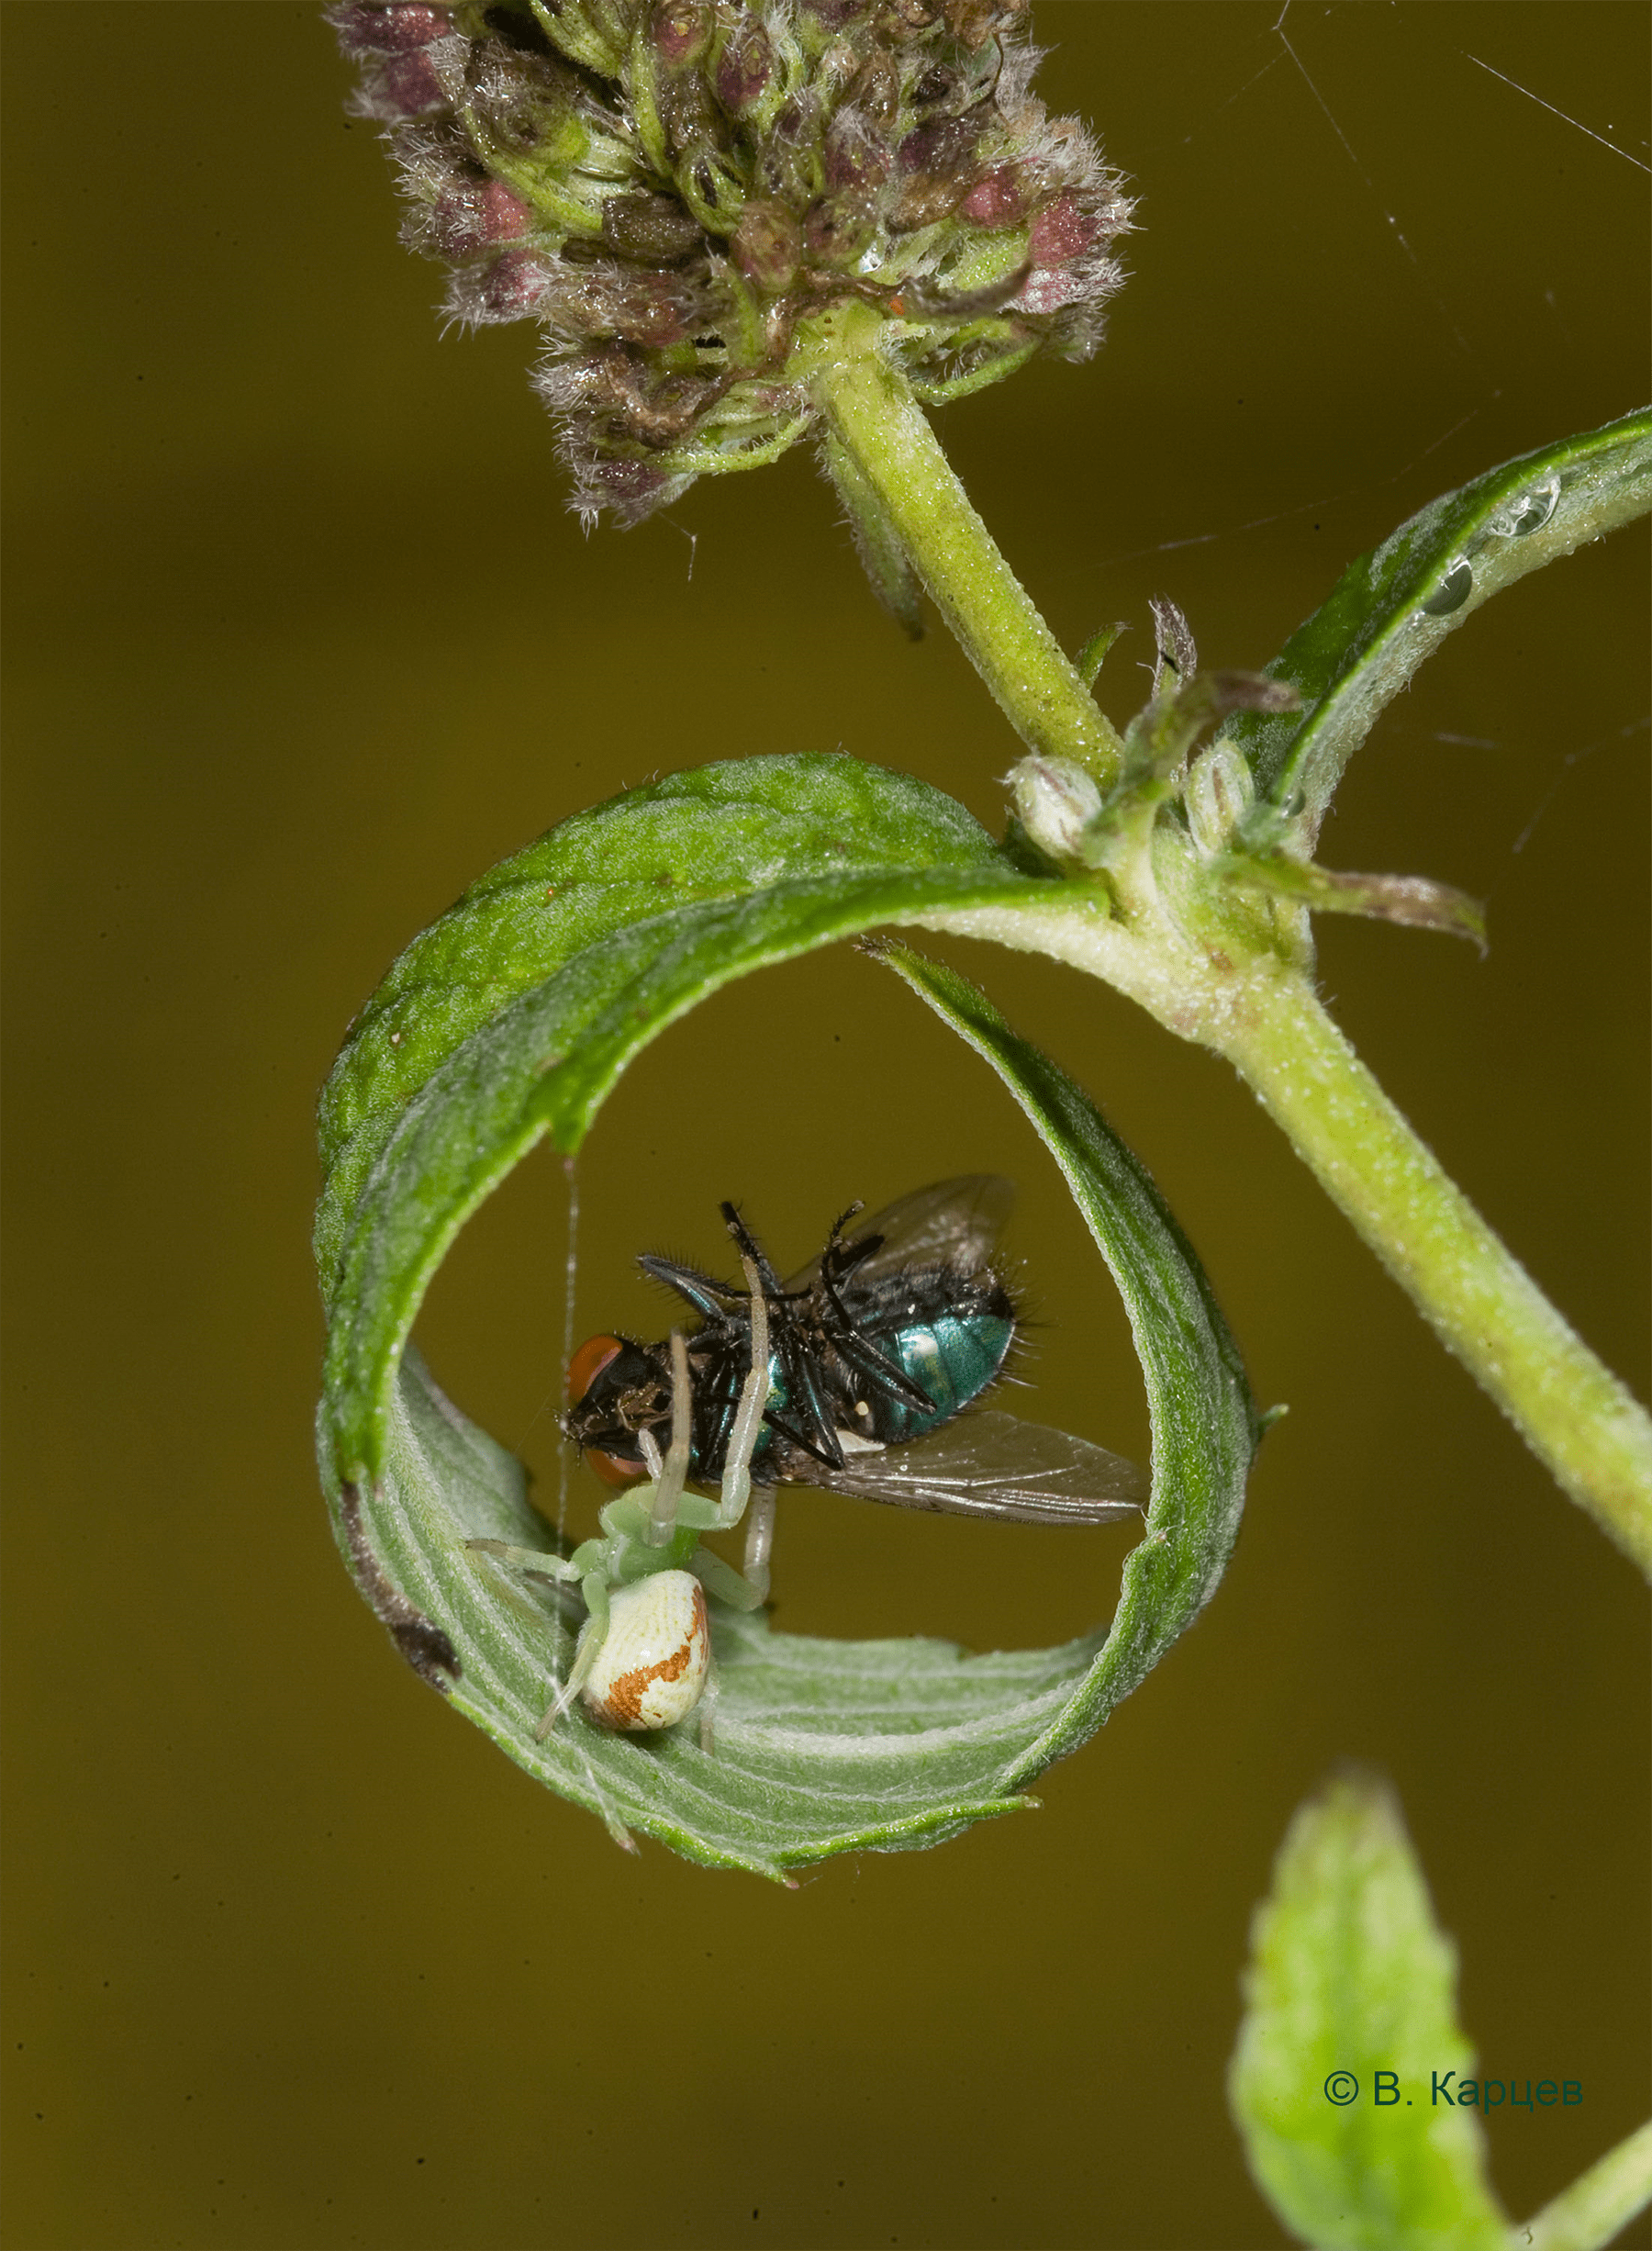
(1394, 607)
(515, 1015)
(1455, 585)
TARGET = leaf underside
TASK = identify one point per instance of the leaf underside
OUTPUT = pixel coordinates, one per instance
(1388, 611)
(515, 1015)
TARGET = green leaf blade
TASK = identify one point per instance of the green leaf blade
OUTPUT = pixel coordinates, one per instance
(822, 1746)
(1351, 1974)
(1205, 1425)
(1388, 612)
(719, 831)
(543, 1065)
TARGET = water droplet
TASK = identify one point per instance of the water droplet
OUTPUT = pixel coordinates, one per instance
(1453, 590)
(1527, 511)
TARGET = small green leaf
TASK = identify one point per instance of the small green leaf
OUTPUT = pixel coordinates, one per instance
(1090, 658)
(1351, 1977)
(1413, 899)
(822, 1746)
(1392, 608)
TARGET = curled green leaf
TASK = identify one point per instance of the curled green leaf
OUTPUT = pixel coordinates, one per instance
(1393, 606)
(822, 1746)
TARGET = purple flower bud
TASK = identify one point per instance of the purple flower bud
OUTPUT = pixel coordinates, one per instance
(364, 29)
(512, 286)
(973, 21)
(652, 227)
(744, 67)
(854, 155)
(941, 146)
(997, 199)
(837, 15)
(1060, 231)
(681, 31)
(407, 87)
(633, 487)
(1048, 292)
(687, 206)
(477, 216)
(877, 89)
(767, 245)
(637, 307)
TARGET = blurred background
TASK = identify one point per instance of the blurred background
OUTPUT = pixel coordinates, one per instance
(302, 641)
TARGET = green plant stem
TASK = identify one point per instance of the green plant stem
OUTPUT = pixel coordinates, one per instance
(1480, 1301)
(1263, 1016)
(1598, 2203)
(874, 416)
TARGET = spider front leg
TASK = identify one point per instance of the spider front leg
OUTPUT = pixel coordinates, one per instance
(759, 1539)
(587, 1656)
(670, 1475)
(748, 1417)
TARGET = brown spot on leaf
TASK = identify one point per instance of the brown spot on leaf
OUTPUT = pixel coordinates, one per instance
(420, 1640)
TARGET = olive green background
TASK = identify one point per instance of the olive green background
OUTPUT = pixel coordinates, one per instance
(301, 641)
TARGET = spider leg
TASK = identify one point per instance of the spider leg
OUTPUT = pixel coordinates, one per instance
(759, 1539)
(595, 1587)
(749, 1417)
(532, 1562)
(670, 1476)
(723, 1580)
(708, 1713)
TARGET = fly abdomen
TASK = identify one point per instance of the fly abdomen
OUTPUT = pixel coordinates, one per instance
(954, 1359)
(947, 1333)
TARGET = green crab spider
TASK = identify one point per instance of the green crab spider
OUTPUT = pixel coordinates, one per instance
(643, 1660)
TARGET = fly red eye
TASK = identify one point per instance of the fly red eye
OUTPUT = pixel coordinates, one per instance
(588, 1363)
(612, 1469)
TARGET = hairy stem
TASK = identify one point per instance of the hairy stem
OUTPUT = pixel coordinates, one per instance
(880, 425)
(1265, 1018)
(1480, 1301)
(1599, 2202)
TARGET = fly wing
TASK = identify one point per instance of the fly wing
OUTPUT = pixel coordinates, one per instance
(992, 1464)
(951, 1222)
